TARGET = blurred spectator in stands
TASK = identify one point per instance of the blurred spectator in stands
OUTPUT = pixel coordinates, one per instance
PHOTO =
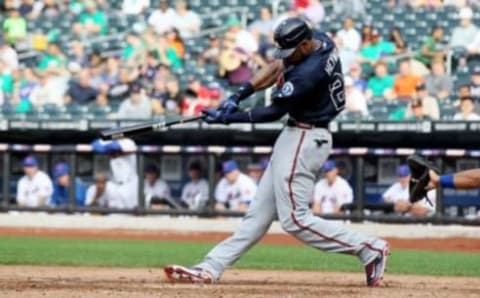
(377, 49)
(465, 33)
(292, 12)
(212, 52)
(30, 9)
(195, 192)
(8, 55)
(475, 83)
(234, 63)
(97, 192)
(355, 100)
(241, 38)
(433, 48)
(166, 53)
(405, 81)
(135, 7)
(154, 187)
(80, 91)
(428, 105)
(53, 58)
(235, 191)
(78, 54)
(197, 98)
(175, 97)
(464, 90)
(265, 25)
(300, 4)
(351, 8)
(175, 41)
(50, 9)
(6, 79)
(347, 56)
(35, 188)
(122, 192)
(101, 101)
(397, 39)
(50, 90)
(91, 22)
(331, 192)
(398, 194)
(134, 48)
(23, 89)
(350, 36)
(158, 95)
(366, 34)
(381, 84)
(187, 21)
(137, 106)
(467, 108)
(415, 111)
(149, 69)
(163, 19)
(438, 83)
(14, 27)
(121, 90)
(314, 12)
(61, 187)
(356, 74)
(111, 72)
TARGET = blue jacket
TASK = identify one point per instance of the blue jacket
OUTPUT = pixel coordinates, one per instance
(60, 194)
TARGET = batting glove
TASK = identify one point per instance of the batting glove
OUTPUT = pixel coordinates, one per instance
(230, 105)
(213, 116)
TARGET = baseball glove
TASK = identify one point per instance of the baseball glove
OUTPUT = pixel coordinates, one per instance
(419, 177)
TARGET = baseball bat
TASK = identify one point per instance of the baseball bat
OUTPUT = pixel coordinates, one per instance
(127, 131)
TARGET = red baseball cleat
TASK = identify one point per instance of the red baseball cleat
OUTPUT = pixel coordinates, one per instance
(181, 274)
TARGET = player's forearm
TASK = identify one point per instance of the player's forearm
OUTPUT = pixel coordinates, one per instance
(267, 76)
(462, 180)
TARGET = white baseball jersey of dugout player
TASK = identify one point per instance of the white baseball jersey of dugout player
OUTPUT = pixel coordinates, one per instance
(159, 189)
(241, 191)
(124, 193)
(396, 193)
(103, 199)
(30, 190)
(332, 196)
(195, 193)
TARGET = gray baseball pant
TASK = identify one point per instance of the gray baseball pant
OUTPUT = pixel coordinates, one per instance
(284, 193)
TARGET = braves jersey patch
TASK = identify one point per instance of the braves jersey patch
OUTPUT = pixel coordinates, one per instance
(287, 89)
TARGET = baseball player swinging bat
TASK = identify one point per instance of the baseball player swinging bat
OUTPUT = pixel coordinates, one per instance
(122, 132)
(308, 86)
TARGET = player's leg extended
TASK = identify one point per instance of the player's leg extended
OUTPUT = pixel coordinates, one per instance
(297, 159)
(255, 224)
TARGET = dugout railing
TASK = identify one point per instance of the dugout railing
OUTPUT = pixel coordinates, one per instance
(358, 162)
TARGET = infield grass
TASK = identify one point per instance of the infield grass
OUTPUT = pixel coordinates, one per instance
(134, 253)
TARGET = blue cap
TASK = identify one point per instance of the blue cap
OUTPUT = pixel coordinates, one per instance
(30, 161)
(329, 165)
(403, 171)
(229, 166)
(60, 169)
